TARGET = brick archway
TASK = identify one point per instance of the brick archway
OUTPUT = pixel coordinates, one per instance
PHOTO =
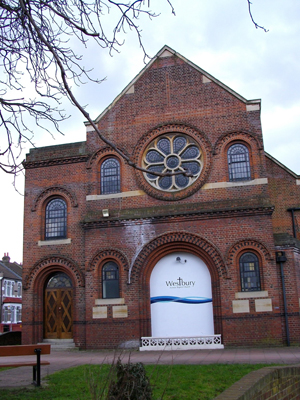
(171, 243)
(34, 285)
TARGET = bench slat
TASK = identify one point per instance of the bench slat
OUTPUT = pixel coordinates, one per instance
(24, 350)
(23, 364)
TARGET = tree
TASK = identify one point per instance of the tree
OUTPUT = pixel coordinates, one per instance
(35, 44)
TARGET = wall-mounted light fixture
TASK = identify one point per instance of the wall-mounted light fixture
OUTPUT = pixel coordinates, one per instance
(105, 212)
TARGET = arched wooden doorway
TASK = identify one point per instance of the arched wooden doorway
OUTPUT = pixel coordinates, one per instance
(58, 316)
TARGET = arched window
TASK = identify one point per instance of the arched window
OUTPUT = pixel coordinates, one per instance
(238, 163)
(59, 280)
(110, 176)
(110, 281)
(56, 219)
(249, 271)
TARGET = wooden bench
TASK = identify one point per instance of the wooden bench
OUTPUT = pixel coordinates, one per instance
(27, 350)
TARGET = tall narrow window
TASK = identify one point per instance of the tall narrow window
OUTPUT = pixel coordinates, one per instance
(110, 281)
(56, 219)
(19, 314)
(19, 289)
(8, 293)
(238, 163)
(249, 270)
(110, 176)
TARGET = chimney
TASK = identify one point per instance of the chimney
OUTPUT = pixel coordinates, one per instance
(6, 257)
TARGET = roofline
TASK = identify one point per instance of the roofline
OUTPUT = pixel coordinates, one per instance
(10, 270)
(202, 71)
(282, 166)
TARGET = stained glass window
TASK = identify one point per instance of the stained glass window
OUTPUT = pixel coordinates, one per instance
(59, 280)
(238, 163)
(56, 219)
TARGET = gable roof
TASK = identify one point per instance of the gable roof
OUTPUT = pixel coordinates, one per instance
(10, 270)
(9, 273)
(165, 52)
(289, 171)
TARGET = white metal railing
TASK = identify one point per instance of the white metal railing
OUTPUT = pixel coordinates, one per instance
(181, 343)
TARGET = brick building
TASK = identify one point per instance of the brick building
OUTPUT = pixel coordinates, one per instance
(113, 254)
(10, 295)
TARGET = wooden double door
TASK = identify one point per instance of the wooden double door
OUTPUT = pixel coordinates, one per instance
(58, 318)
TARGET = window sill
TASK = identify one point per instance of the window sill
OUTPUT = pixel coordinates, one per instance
(132, 193)
(102, 302)
(53, 242)
(222, 185)
(248, 295)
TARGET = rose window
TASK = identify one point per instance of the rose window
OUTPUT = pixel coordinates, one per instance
(172, 154)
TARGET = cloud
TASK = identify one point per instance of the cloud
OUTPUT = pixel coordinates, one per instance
(219, 37)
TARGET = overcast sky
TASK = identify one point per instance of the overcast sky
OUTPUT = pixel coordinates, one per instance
(219, 37)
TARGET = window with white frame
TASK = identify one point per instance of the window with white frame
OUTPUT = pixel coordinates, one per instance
(19, 289)
(19, 314)
(12, 288)
(12, 313)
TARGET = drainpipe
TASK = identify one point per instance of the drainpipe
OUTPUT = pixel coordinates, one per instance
(281, 258)
(293, 219)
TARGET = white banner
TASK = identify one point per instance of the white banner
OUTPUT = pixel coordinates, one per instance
(181, 297)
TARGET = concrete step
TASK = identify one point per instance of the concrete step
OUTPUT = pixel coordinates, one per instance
(60, 344)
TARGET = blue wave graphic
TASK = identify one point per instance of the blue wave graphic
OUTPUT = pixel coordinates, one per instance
(185, 300)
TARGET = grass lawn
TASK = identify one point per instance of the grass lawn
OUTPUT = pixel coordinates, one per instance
(191, 382)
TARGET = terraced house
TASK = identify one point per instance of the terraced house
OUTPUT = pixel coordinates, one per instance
(199, 249)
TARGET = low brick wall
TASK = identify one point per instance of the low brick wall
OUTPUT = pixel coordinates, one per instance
(270, 383)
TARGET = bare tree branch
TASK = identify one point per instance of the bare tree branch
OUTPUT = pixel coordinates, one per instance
(36, 50)
(252, 19)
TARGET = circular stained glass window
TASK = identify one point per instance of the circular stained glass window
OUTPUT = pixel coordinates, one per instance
(172, 154)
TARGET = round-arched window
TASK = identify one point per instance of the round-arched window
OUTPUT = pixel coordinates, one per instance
(110, 281)
(238, 163)
(110, 176)
(56, 219)
(249, 272)
(172, 153)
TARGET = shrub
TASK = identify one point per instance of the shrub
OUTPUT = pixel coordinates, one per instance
(130, 383)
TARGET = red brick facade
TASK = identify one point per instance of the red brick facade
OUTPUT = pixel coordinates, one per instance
(215, 218)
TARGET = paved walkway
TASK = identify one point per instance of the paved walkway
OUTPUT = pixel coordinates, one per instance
(66, 359)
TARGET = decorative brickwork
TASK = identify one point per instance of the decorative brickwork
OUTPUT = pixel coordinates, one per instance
(248, 244)
(58, 161)
(169, 243)
(108, 254)
(97, 155)
(55, 191)
(249, 138)
(56, 263)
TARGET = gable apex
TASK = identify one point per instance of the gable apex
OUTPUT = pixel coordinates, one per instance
(168, 52)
